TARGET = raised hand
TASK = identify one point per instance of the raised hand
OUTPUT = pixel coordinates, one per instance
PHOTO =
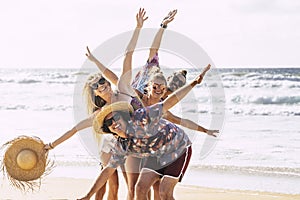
(200, 77)
(169, 17)
(140, 18)
(90, 56)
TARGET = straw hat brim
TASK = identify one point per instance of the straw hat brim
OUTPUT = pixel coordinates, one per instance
(117, 106)
(12, 166)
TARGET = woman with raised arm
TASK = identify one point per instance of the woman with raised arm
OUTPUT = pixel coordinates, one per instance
(143, 133)
(155, 91)
(132, 168)
(99, 94)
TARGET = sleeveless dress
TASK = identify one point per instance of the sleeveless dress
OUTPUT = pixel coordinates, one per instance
(142, 77)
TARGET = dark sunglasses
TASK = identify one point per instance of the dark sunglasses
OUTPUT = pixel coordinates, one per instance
(161, 87)
(100, 82)
(177, 80)
(116, 117)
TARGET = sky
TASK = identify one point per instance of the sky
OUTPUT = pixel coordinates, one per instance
(234, 33)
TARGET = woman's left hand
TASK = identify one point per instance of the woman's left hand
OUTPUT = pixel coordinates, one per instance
(200, 77)
(90, 56)
(169, 17)
(212, 132)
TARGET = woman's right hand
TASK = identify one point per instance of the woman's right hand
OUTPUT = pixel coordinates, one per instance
(140, 18)
(48, 147)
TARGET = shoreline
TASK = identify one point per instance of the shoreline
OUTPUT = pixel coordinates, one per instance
(72, 188)
(207, 178)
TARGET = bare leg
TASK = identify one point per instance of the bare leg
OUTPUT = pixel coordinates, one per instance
(124, 173)
(145, 180)
(155, 187)
(132, 166)
(100, 193)
(113, 183)
(167, 186)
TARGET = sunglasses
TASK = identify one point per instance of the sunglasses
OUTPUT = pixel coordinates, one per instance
(160, 86)
(177, 80)
(100, 82)
(108, 122)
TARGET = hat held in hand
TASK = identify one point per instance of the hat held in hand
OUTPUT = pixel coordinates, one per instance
(25, 162)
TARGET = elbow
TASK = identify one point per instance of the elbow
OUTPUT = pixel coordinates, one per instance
(129, 53)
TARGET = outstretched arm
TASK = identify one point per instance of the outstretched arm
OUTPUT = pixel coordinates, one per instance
(126, 75)
(112, 77)
(189, 124)
(103, 177)
(88, 122)
(158, 37)
(179, 94)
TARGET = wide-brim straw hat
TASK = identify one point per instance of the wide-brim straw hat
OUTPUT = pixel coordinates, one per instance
(25, 162)
(117, 106)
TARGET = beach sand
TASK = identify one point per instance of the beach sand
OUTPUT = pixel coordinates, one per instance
(70, 188)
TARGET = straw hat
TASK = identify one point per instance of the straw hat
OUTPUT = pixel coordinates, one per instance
(25, 161)
(118, 106)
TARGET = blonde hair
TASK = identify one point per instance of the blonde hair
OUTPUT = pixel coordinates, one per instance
(154, 75)
(157, 75)
(93, 102)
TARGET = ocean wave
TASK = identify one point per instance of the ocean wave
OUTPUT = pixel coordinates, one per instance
(266, 100)
(287, 100)
(260, 78)
(88, 162)
(29, 81)
(37, 108)
(80, 73)
(14, 107)
(62, 82)
(255, 170)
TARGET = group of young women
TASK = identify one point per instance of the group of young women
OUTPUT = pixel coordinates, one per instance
(137, 130)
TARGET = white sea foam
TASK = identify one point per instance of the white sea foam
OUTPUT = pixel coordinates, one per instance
(260, 135)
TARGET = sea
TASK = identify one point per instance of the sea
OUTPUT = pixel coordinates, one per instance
(257, 111)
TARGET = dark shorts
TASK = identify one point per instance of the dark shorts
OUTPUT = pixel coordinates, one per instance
(175, 169)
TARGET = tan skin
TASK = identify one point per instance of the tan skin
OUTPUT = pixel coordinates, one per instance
(105, 92)
(157, 91)
(155, 94)
(151, 99)
(132, 163)
(147, 179)
(140, 18)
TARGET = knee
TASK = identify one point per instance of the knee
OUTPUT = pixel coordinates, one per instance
(114, 180)
(165, 194)
(140, 189)
(113, 188)
(131, 188)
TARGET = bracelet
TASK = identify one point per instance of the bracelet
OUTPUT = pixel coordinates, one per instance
(51, 145)
(163, 26)
(194, 83)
